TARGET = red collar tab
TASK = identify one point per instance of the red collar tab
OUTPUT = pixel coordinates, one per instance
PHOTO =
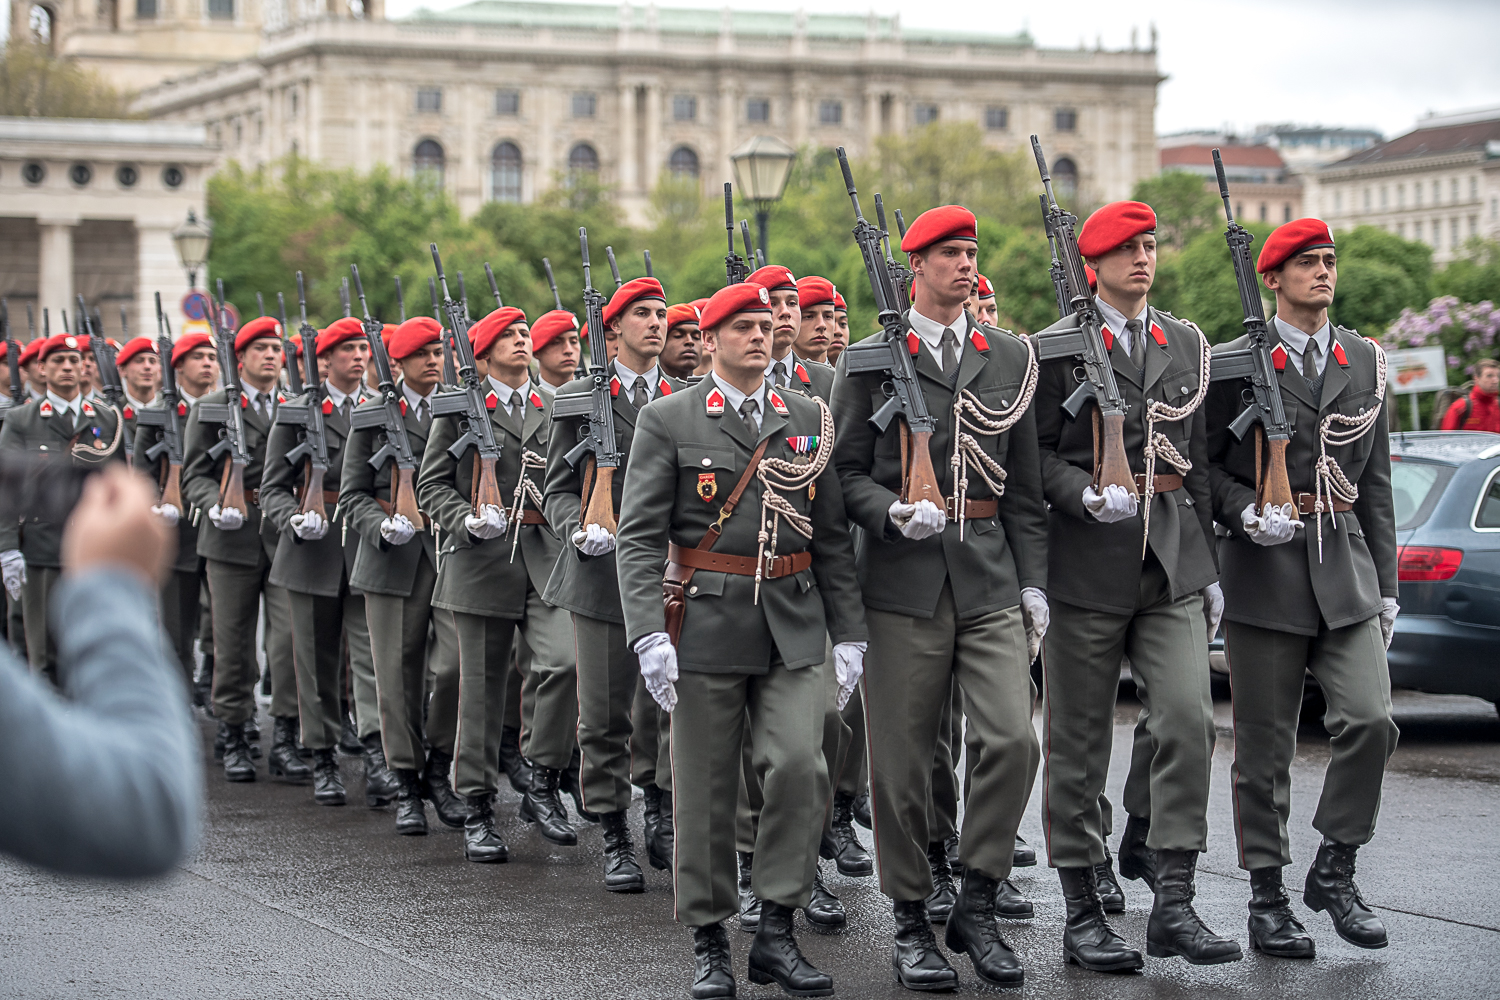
(536, 399)
(1109, 338)
(244, 401)
(714, 404)
(1339, 355)
(327, 406)
(912, 343)
(129, 412)
(182, 408)
(280, 398)
(978, 340)
(88, 408)
(802, 374)
(664, 388)
(46, 408)
(614, 385)
(403, 407)
(776, 403)
(491, 400)
(1159, 334)
(1278, 357)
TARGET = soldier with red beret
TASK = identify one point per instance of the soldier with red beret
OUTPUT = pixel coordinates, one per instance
(31, 368)
(815, 297)
(1311, 589)
(684, 348)
(556, 347)
(784, 370)
(839, 338)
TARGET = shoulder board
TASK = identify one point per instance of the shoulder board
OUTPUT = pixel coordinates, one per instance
(536, 399)
(776, 403)
(614, 385)
(45, 408)
(1109, 338)
(1339, 355)
(491, 400)
(1158, 334)
(714, 404)
(1278, 357)
(912, 343)
(664, 388)
(980, 342)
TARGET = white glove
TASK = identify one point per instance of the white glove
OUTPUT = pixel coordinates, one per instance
(1115, 504)
(397, 530)
(13, 569)
(1389, 609)
(1274, 525)
(310, 526)
(659, 668)
(593, 540)
(920, 520)
(1037, 616)
(488, 523)
(226, 520)
(168, 513)
(848, 668)
(1213, 608)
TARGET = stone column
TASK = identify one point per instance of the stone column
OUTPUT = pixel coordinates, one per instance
(630, 181)
(729, 116)
(54, 279)
(801, 110)
(652, 160)
(470, 189)
(159, 270)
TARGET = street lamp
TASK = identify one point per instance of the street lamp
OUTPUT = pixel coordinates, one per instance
(192, 239)
(761, 168)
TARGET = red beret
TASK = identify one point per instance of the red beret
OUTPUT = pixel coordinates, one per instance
(33, 348)
(1290, 240)
(551, 325)
(1093, 278)
(265, 326)
(747, 296)
(187, 343)
(839, 305)
(337, 332)
(698, 304)
(134, 346)
(387, 331)
(482, 335)
(949, 222)
(684, 313)
(1114, 224)
(411, 336)
(814, 291)
(775, 278)
(635, 288)
(61, 342)
(986, 290)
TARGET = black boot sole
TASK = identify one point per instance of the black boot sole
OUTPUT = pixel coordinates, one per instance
(413, 830)
(627, 887)
(956, 944)
(1255, 945)
(762, 978)
(1166, 951)
(275, 770)
(1124, 965)
(1136, 873)
(825, 928)
(659, 863)
(946, 986)
(377, 801)
(452, 824)
(250, 776)
(854, 870)
(1318, 906)
(498, 859)
(1029, 914)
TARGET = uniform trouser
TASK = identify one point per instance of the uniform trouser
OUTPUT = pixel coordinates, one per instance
(318, 625)
(856, 774)
(279, 656)
(206, 618)
(1266, 670)
(442, 684)
(398, 643)
(907, 682)
(179, 615)
(1137, 798)
(236, 594)
(517, 704)
(41, 647)
(548, 663)
(364, 699)
(650, 747)
(15, 626)
(780, 714)
(1167, 643)
(942, 812)
(608, 675)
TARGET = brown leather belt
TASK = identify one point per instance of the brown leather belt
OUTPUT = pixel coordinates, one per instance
(1165, 482)
(718, 562)
(1307, 503)
(974, 510)
(385, 505)
(533, 517)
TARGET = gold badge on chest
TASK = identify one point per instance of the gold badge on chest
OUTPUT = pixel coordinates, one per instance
(708, 486)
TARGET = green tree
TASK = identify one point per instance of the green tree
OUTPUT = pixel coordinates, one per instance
(1380, 274)
(1207, 292)
(1474, 277)
(1184, 207)
(1019, 267)
(34, 83)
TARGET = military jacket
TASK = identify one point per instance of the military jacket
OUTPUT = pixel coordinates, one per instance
(811, 378)
(996, 556)
(1096, 565)
(146, 437)
(1288, 587)
(201, 475)
(379, 566)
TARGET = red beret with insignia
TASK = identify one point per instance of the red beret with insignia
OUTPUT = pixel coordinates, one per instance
(1114, 224)
(949, 222)
(775, 278)
(986, 289)
(133, 347)
(682, 313)
(698, 304)
(814, 291)
(265, 326)
(32, 349)
(839, 305)
(632, 291)
(337, 332)
(482, 335)
(1291, 239)
(60, 342)
(549, 326)
(747, 296)
(189, 342)
(413, 335)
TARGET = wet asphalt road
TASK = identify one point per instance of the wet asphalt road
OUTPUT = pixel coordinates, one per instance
(289, 899)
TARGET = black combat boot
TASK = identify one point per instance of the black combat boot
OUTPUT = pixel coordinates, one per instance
(203, 679)
(349, 742)
(237, 763)
(1088, 940)
(650, 816)
(252, 736)
(283, 761)
(955, 863)
(713, 975)
(824, 911)
(1175, 927)
(482, 843)
(861, 810)
(1010, 904)
(842, 845)
(940, 901)
(775, 957)
(572, 784)
(749, 905)
(328, 784)
(221, 737)
(381, 785)
(411, 816)
(1110, 893)
(1137, 861)
(1273, 928)
(542, 805)
(621, 873)
(1024, 855)
(450, 808)
(918, 962)
(1330, 886)
(663, 848)
(972, 930)
(516, 767)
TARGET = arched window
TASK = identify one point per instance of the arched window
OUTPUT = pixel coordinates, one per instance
(683, 162)
(1065, 176)
(583, 157)
(40, 19)
(505, 172)
(427, 162)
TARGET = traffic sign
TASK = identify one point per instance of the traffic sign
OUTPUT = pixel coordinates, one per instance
(195, 305)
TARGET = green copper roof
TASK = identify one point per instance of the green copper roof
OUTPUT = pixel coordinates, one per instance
(680, 20)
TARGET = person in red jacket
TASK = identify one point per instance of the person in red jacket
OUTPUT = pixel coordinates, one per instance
(1480, 409)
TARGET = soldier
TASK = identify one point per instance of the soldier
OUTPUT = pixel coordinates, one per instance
(949, 599)
(758, 613)
(554, 344)
(140, 370)
(815, 300)
(31, 368)
(838, 338)
(1303, 597)
(494, 567)
(1114, 593)
(684, 349)
(65, 426)
(986, 312)
(617, 730)
(783, 368)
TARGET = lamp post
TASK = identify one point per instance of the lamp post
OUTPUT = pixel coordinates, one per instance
(761, 168)
(192, 239)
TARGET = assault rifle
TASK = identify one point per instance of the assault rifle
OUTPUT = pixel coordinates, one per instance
(450, 373)
(110, 386)
(614, 269)
(648, 265)
(900, 273)
(755, 259)
(168, 451)
(308, 414)
(467, 401)
(597, 436)
(890, 357)
(1086, 343)
(735, 269)
(400, 299)
(229, 413)
(494, 288)
(288, 351)
(1265, 412)
(18, 392)
(581, 369)
(389, 418)
(1056, 272)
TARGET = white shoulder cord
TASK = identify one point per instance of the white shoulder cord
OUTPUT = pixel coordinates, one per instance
(524, 489)
(779, 474)
(94, 456)
(970, 418)
(1158, 443)
(1330, 480)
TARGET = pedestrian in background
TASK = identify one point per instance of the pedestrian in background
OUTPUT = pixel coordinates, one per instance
(1479, 410)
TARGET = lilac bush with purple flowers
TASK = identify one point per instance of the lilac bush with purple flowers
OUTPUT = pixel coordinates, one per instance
(1466, 331)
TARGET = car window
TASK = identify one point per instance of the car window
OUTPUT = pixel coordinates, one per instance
(1488, 514)
(1416, 487)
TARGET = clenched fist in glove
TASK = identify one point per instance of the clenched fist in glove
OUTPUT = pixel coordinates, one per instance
(397, 530)
(13, 570)
(310, 526)
(168, 513)
(593, 540)
(1213, 608)
(1037, 616)
(226, 519)
(848, 668)
(919, 520)
(1116, 503)
(1274, 525)
(490, 522)
(659, 668)
(1389, 609)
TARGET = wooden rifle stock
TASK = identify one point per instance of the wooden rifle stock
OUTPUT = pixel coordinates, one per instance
(1112, 467)
(599, 498)
(232, 487)
(1271, 483)
(404, 496)
(486, 486)
(920, 481)
(312, 491)
(171, 483)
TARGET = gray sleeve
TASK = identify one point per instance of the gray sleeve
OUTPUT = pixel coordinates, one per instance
(107, 782)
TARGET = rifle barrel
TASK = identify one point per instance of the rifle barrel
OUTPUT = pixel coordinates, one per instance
(1223, 186)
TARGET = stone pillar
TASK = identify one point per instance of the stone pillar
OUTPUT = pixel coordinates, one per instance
(546, 155)
(159, 270)
(630, 181)
(870, 125)
(470, 188)
(801, 110)
(729, 116)
(653, 161)
(55, 265)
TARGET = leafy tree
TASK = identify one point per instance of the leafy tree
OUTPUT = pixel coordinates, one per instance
(1474, 277)
(1411, 257)
(1207, 292)
(1184, 206)
(1370, 293)
(1019, 267)
(34, 83)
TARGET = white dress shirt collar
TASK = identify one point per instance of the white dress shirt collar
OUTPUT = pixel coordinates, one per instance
(930, 331)
(337, 395)
(734, 398)
(1295, 342)
(628, 377)
(1116, 320)
(413, 397)
(508, 397)
(58, 403)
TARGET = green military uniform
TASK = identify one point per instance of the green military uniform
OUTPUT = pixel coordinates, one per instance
(182, 587)
(945, 608)
(1108, 601)
(747, 666)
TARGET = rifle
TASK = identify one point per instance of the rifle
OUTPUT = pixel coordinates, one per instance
(890, 357)
(18, 392)
(899, 272)
(494, 288)
(344, 297)
(229, 413)
(552, 283)
(288, 352)
(468, 401)
(110, 386)
(614, 269)
(597, 436)
(308, 414)
(463, 295)
(260, 303)
(167, 451)
(750, 256)
(1056, 272)
(648, 265)
(450, 373)
(400, 299)
(1112, 468)
(1265, 412)
(735, 270)
(389, 418)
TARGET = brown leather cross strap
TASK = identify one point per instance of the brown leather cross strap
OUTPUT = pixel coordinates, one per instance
(974, 510)
(719, 562)
(1166, 482)
(1307, 503)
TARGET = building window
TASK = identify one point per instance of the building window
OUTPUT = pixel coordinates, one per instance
(239, 131)
(1400, 195)
(291, 102)
(1416, 230)
(1437, 192)
(1495, 208)
(507, 102)
(1065, 176)
(427, 162)
(583, 158)
(1473, 225)
(429, 100)
(1416, 194)
(145, 10)
(1453, 189)
(757, 109)
(221, 10)
(1286, 212)
(997, 119)
(1473, 189)
(684, 108)
(40, 22)
(1453, 232)
(1385, 196)
(1401, 230)
(1065, 120)
(830, 112)
(505, 172)
(1338, 201)
(1263, 212)
(584, 105)
(1367, 198)
(683, 162)
(924, 114)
